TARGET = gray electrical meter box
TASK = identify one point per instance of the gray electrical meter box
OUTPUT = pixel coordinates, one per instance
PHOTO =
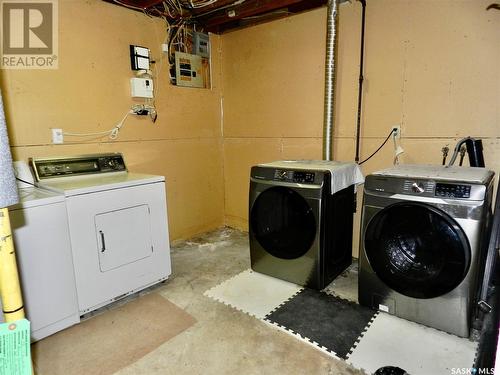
(201, 44)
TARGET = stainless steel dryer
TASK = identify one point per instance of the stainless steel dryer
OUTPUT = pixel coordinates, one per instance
(299, 231)
(423, 234)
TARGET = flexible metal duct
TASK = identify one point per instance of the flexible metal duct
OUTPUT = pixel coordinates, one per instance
(328, 119)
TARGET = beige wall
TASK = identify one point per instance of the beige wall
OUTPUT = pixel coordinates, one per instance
(431, 66)
(90, 92)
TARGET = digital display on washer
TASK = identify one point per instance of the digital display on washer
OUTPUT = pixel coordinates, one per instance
(452, 191)
(303, 177)
(294, 176)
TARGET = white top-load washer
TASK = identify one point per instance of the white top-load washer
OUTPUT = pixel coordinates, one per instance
(118, 225)
(41, 239)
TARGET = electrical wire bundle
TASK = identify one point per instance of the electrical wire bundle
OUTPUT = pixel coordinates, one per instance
(197, 4)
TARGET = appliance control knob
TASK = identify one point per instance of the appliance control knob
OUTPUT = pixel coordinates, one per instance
(111, 163)
(417, 187)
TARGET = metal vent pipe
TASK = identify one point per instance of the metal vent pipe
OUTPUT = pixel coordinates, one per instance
(328, 119)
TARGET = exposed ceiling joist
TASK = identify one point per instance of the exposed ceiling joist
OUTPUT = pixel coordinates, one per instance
(249, 8)
(223, 15)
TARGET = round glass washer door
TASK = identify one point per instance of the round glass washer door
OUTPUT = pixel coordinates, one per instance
(283, 222)
(417, 249)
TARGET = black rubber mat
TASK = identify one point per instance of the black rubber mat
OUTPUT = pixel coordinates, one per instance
(332, 322)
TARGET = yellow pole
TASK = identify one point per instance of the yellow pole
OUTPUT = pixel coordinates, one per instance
(10, 290)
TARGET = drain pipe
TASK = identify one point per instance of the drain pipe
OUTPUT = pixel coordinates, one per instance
(328, 119)
(361, 79)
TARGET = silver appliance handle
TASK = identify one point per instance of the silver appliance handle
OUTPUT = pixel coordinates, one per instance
(103, 243)
(424, 199)
(282, 183)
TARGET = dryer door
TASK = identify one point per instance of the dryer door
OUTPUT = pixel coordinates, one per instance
(123, 236)
(283, 222)
(417, 249)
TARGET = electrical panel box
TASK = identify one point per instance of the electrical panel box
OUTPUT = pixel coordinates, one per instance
(188, 70)
(141, 87)
(201, 44)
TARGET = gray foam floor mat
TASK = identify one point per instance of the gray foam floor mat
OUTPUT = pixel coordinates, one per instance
(330, 321)
(366, 339)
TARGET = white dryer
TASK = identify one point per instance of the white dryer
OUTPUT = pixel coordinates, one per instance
(118, 225)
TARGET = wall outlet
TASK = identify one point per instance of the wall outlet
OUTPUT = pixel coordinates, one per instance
(396, 131)
(57, 136)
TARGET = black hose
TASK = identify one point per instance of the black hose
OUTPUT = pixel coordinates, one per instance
(475, 152)
(361, 79)
(26, 182)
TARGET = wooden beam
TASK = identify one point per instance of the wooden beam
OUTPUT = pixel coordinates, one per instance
(247, 22)
(212, 8)
(306, 5)
(224, 15)
(247, 9)
(142, 4)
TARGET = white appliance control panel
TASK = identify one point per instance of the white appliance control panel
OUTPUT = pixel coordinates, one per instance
(79, 165)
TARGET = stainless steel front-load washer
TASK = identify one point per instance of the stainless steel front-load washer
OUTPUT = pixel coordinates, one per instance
(299, 231)
(423, 234)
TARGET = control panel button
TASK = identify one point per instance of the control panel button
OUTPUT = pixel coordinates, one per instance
(111, 164)
(300, 177)
(417, 187)
(79, 166)
(303, 177)
(452, 191)
(283, 175)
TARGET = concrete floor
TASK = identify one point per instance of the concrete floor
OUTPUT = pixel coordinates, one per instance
(224, 340)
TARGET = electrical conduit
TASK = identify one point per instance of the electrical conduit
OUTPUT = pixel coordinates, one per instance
(328, 119)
